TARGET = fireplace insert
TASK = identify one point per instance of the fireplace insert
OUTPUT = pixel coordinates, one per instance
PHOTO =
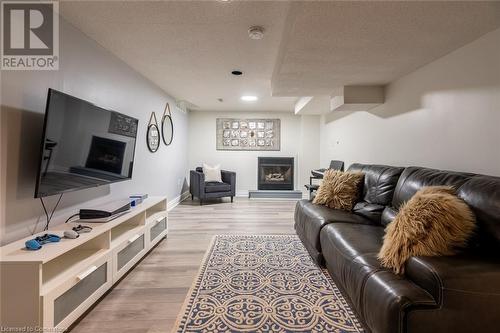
(275, 173)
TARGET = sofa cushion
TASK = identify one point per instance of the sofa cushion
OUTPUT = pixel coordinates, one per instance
(369, 210)
(482, 194)
(212, 187)
(414, 178)
(310, 218)
(378, 189)
(352, 240)
(379, 183)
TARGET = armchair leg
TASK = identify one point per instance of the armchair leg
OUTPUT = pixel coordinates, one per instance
(192, 197)
(231, 199)
(201, 202)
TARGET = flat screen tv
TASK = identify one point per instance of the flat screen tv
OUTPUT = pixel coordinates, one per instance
(83, 146)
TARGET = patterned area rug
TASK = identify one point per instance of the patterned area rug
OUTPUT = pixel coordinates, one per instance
(265, 283)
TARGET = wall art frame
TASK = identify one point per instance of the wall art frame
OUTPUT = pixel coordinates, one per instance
(167, 126)
(259, 134)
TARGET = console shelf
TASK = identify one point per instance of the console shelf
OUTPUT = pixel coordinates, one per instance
(56, 284)
(124, 232)
(56, 271)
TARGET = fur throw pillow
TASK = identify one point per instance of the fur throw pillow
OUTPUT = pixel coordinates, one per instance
(434, 222)
(339, 190)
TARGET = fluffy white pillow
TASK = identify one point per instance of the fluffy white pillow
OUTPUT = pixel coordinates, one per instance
(212, 173)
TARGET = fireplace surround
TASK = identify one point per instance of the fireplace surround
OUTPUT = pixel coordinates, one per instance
(275, 173)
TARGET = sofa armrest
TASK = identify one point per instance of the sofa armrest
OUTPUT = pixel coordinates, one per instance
(469, 272)
(459, 283)
(229, 177)
(197, 183)
(387, 298)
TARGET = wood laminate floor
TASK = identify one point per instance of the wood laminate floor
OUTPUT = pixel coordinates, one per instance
(149, 298)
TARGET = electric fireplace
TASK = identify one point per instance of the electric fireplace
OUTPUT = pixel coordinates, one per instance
(275, 173)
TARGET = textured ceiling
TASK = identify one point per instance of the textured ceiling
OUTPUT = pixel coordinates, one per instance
(188, 48)
(332, 44)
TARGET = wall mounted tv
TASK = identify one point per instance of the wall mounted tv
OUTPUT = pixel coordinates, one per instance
(83, 146)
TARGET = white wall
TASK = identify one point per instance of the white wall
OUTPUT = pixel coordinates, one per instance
(444, 115)
(309, 148)
(202, 146)
(92, 73)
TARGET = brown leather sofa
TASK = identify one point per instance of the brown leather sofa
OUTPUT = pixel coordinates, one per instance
(459, 293)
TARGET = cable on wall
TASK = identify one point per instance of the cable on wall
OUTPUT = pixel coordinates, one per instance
(47, 215)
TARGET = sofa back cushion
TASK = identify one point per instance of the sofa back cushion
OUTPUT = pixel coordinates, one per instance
(482, 194)
(380, 182)
(378, 188)
(414, 178)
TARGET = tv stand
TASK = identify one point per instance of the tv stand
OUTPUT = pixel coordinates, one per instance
(54, 286)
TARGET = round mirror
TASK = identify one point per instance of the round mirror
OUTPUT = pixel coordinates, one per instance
(153, 138)
(167, 129)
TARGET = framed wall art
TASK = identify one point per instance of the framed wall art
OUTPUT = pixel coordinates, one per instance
(248, 134)
(167, 126)
(153, 134)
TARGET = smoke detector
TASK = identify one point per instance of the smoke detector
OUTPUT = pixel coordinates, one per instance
(256, 32)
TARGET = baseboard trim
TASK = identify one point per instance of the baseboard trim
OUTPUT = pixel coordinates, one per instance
(177, 200)
(245, 193)
(276, 194)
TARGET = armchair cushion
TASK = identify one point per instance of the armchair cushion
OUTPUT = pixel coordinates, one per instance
(212, 187)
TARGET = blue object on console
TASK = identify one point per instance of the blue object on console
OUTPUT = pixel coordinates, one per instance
(37, 242)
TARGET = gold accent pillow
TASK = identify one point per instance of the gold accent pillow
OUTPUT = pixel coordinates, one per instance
(339, 190)
(434, 222)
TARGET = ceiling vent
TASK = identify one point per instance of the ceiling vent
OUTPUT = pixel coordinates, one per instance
(357, 98)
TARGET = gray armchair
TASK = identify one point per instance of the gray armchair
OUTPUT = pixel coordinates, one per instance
(205, 190)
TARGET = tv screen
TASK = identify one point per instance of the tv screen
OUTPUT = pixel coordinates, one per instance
(83, 146)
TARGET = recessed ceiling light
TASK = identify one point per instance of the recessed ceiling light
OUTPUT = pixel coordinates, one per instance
(256, 32)
(249, 98)
(237, 72)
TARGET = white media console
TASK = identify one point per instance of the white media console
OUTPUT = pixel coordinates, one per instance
(52, 287)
